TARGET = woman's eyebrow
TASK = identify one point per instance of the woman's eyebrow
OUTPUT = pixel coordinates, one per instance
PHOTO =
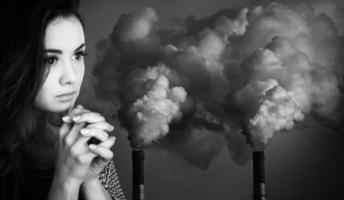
(53, 51)
(77, 49)
(58, 51)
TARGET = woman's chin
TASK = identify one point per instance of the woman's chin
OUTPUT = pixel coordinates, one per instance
(57, 106)
(62, 107)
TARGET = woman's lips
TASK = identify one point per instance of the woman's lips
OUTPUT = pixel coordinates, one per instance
(66, 96)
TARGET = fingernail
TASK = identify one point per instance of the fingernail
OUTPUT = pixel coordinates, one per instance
(77, 118)
(92, 146)
(80, 106)
(112, 128)
(113, 138)
(66, 118)
(84, 131)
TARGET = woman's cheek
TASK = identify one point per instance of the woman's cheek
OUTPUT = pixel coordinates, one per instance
(81, 73)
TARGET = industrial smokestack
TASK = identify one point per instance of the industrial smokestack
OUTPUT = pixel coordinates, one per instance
(138, 157)
(259, 192)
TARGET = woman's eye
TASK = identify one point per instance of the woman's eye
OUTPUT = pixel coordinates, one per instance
(51, 60)
(79, 55)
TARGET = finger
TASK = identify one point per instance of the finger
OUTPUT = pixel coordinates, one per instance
(80, 109)
(86, 158)
(102, 125)
(73, 134)
(108, 143)
(81, 143)
(88, 117)
(68, 111)
(64, 129)
(95, 132)
(68, 117)
(103, 152)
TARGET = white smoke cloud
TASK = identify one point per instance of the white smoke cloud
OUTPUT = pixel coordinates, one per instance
(298, 50)
(211, 46)
(277, 111)
(250, 94)
(271, 21)
(155, 110)
(137, 26)
(291, 68)
(229, 27)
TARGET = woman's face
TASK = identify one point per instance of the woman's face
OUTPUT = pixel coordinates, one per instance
(64, 49)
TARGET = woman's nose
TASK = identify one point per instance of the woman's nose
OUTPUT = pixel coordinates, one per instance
(68, 74)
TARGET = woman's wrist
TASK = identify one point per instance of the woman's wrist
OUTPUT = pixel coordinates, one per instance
(91, 181)
(93, 189)
(89, 184)
(67, 180)
(64, 188)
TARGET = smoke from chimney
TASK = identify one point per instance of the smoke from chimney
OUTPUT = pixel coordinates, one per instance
(265, 68)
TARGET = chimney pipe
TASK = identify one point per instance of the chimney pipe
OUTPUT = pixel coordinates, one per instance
(138, 157)
(259, 192)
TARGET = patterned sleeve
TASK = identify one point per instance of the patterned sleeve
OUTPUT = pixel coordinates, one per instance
(108, 177)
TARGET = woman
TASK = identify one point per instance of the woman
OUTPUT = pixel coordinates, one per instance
(45, 142)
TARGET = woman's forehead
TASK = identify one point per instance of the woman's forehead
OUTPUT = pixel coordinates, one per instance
(64, 33)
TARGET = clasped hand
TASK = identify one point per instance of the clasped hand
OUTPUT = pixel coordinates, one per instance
(78, 160)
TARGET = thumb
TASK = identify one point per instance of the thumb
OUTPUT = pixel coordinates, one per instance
(64, 129)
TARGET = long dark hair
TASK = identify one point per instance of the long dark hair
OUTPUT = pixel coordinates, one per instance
(22, 73)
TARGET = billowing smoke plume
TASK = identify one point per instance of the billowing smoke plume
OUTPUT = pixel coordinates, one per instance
(240, 75)
(291, 73)
(152, 113)
(273, 109)
(136, 26)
